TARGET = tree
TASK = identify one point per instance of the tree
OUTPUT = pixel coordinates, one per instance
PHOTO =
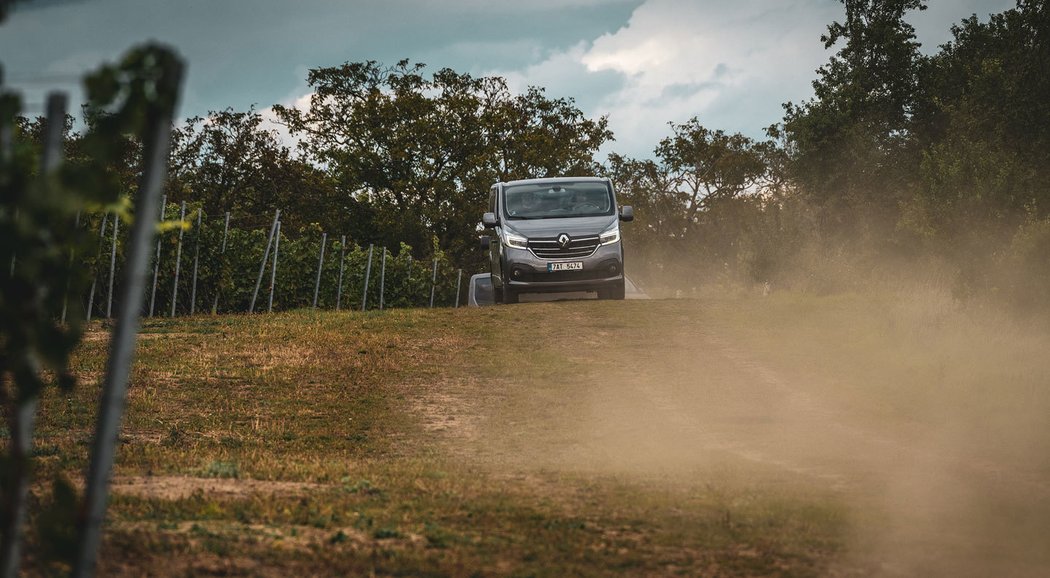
(853, 151)
(229, 162)
(418, 154)
(985, 123)
(700, 176)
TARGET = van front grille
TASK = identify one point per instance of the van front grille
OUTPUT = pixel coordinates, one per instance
(548, 248)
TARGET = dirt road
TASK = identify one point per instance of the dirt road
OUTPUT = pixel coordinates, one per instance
(669, 390)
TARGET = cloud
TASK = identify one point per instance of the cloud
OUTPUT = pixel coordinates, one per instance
(731, 65)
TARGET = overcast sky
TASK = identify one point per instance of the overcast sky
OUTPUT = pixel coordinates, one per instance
(641, 62)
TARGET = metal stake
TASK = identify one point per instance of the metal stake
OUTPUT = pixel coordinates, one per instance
(122, 345)
(382, 280)
(320, 267)
(273, 271)
(178, 261)
(196, 258)
(433, 283)
(266, 256)
(368, 273)
(459, 279)
(112, 265)
(342, 262)
(98, 257)
(222, 266)
(156, 260)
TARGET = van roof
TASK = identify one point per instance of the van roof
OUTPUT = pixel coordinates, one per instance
(553, 180)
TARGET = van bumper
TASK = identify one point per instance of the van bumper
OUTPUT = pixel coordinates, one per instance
(524, 272)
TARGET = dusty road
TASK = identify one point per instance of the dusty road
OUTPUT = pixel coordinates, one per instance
(671, 391)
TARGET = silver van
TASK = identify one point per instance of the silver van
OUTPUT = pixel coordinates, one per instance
(555, 235)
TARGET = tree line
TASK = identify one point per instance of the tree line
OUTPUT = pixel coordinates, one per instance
(898, 158)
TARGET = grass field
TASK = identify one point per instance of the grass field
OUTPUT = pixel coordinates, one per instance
(726, 436)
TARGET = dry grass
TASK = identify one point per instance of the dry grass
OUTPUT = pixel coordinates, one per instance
(728, 436)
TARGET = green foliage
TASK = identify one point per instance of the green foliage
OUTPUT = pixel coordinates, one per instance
(415, 156)
(852, 152)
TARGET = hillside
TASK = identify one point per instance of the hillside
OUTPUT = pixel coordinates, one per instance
(724, 436)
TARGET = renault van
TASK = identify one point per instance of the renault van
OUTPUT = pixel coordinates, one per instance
(555, 235)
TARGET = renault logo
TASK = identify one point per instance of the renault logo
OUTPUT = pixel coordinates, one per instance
(564, 240)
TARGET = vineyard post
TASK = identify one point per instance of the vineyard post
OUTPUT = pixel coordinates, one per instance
(196, 258)
(368, 273)
(98, 257)
(459, 280)
(24, 412)
(342, 262)
(408, 280)
(222, 267)
(320, 266)
(156, 259)
(178, 261)
(433, 283)
(382, 279)
(112, 265)
(273, 271)
(72, 256)
(266, 257)
(156, 141)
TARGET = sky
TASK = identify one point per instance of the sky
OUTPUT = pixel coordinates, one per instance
(643, 63)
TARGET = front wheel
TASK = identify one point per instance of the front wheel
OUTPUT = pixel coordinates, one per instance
(510, 295)
(615, 292)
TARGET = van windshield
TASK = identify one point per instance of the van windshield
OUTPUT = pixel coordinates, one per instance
(557, 200)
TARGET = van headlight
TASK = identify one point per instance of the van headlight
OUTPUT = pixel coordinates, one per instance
(610, 235)
(515, 241)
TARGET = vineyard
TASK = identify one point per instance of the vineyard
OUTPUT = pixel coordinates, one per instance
(227, 265)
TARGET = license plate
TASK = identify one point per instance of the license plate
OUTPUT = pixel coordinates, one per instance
(565, 266)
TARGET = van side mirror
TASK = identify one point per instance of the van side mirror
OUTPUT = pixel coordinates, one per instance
(489, 220)
(626, 213)
(484, 242)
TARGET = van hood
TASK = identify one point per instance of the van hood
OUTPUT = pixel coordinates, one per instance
(574, 226)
